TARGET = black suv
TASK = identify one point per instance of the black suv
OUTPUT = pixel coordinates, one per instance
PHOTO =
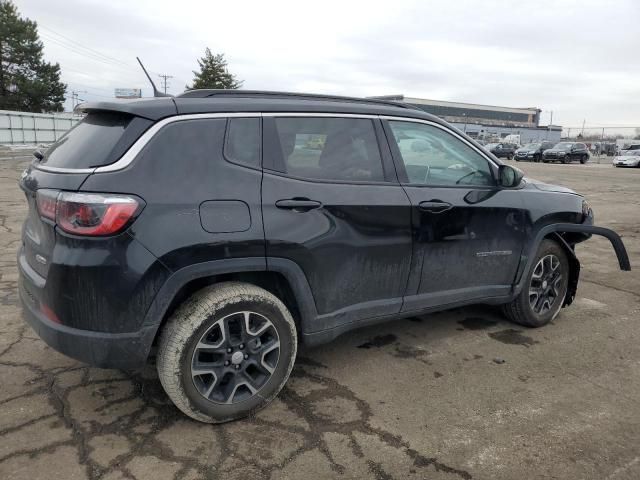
(566, 152)
(226, 228)
(502, 150)
(532, 151)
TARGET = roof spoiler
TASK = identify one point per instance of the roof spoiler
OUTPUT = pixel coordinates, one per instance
(156, 92)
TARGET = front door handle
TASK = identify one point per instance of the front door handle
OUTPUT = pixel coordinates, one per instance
(298, 204)
(435, 206)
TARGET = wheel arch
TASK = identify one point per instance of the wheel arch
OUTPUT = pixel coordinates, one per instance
(284, 279)
(558, 232)
(574, 267)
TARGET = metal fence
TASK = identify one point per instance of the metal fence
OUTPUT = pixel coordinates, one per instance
(590, 134)
(24, 128)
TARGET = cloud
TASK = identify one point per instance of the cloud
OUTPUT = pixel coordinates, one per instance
(573, 57)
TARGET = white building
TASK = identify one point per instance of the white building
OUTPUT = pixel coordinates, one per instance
(487, 121)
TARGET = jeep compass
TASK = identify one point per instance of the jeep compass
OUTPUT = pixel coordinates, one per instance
(225, 228)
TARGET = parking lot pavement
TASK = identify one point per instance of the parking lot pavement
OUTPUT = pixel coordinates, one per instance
(456, 395)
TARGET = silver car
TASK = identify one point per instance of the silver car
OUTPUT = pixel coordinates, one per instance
(627, 158)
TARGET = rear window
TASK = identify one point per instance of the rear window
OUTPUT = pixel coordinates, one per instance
(99, 139)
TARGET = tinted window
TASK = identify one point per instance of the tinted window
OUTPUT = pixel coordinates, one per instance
(343, 149)
(243, 141)
(90, 142)
(183, 151)
(434, 157)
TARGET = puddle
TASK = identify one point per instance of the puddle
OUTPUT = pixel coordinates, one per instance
(379, 341)
(513, 337)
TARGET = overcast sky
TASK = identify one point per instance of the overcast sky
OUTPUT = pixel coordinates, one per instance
(580, 59)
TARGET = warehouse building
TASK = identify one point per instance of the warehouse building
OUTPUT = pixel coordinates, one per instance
(487, 122)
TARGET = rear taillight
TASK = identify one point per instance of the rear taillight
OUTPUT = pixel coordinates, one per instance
(46, 201)
(92, 214)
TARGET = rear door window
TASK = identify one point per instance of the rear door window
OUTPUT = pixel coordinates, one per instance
(98, 139)
(331, 148)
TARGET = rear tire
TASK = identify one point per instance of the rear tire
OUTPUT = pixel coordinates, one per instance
(226, 352)
(544, 289)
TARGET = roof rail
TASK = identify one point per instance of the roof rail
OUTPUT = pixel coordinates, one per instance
(208, 93)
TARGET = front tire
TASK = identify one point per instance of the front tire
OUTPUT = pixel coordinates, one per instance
(545, 288)
(226, 352)
(583, 159)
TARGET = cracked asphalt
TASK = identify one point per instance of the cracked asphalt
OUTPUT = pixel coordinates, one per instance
(456, 395)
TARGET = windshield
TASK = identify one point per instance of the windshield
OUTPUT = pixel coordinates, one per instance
(563, 146)
(532, 146)
(630, 153)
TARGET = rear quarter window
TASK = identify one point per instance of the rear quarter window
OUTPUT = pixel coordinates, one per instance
(243, 141)
(98, 139)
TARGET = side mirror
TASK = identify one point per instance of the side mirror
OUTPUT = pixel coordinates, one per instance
(509, 177)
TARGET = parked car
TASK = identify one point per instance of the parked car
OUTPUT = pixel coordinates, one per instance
(627, 158)
(502, 150)
(203, 225)
(532, 151)
(566, 152)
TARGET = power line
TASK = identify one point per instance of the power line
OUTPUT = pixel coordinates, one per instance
(95, 55)
(78, 47)
(90, 56)
(88, 49)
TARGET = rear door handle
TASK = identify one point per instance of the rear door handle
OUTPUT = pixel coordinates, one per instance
(298, 204)
(435, 206)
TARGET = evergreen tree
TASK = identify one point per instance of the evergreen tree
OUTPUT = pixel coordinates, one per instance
(27, 82)
(213, 73)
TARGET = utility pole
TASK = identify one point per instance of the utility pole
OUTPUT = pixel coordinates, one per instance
(582, 133)
(164, 81)
(75, 98)
(551, 120)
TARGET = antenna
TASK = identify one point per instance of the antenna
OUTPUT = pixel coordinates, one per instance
(156, 92)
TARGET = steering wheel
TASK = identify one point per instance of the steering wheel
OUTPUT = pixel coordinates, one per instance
(470, 174)
(426, 176)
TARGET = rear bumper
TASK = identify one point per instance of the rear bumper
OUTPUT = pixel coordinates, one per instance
(106, 350)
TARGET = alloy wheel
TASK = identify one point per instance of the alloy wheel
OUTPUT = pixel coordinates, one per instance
(235, 357)
(546, 280)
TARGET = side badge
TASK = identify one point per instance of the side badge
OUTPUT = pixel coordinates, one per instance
(494, 253)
